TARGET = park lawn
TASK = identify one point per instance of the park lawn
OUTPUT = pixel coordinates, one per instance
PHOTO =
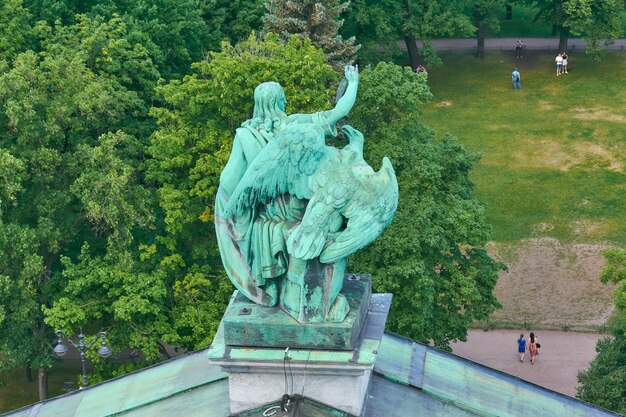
(16, 391)
(553, 153)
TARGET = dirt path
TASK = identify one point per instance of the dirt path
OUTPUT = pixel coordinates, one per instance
(561, 356)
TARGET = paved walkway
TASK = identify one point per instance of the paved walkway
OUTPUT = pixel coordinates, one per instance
(497, 44)
(561, 356)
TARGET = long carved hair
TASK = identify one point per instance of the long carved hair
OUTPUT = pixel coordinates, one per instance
(267, 114)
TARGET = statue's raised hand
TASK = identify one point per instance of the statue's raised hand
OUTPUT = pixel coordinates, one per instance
(351, 72)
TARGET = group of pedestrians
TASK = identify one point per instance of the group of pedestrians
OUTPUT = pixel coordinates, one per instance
(533, 347)
(516, 77)
(519, 49)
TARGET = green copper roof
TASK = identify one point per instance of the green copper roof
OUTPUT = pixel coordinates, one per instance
(464, 386)
(409, 379)
(177, 385)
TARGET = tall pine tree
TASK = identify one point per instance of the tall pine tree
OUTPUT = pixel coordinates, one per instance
(317, 20)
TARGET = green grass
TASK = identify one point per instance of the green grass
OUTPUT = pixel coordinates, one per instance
(553, 153)
(17, 391)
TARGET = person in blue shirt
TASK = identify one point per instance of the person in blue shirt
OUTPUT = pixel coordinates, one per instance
(521, 347)
(516, 77)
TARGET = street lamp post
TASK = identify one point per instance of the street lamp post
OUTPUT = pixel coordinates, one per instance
(61, 349)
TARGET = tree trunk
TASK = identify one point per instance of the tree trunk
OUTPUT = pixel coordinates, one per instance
(411, 48)
(509, 12)
(555, 29)
(29, 374)
(480, 40)
(563, 35)
(43, 384)
(409, 39)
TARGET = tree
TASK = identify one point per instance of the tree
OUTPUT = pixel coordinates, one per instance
(380, 23)
(604, 383)
(486, 15)
(316, 20)
(173, 32)
(595, 20)
(61, 112)
(431, 257)
(236, 19)
(15, 29)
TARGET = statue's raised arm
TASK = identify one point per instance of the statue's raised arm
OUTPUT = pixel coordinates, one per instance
(345, 103)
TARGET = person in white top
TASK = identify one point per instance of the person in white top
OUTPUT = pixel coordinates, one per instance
(559, 64)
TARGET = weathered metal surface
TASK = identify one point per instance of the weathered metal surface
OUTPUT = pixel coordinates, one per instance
(377, 316)
(394, 358)
(209, 400)
(411, 380)
(496, 393)
(365, 352)
(469, 386)
(264, 326)
(169, 381)
(390, 399)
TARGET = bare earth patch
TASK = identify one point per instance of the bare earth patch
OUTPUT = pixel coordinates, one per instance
(555, 154)
(599, 113)
(544, 105)
(594, 152)
(551, 285)
(444, 104)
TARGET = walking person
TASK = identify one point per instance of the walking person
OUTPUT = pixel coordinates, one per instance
(533, 347)
(521, 347)
(564, 69)
(516, 77)
(559, 64)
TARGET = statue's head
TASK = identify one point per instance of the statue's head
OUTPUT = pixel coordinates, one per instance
(269, 100)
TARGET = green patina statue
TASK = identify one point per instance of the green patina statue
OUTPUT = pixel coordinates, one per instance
(290, 209)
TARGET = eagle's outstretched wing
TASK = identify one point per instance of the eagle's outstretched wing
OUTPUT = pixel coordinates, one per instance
(284, 165)
(368, 212)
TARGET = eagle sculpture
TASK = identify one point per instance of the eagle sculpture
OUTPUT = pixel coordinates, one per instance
(349, 204)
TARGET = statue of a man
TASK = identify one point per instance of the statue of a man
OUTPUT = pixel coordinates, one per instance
(252, 244)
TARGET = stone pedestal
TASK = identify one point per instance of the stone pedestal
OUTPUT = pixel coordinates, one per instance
(337, 378)
(248, 324)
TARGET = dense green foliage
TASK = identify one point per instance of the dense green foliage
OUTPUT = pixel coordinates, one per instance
(431, 257)
(604, 383)
(597, 21)
(57, 105)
